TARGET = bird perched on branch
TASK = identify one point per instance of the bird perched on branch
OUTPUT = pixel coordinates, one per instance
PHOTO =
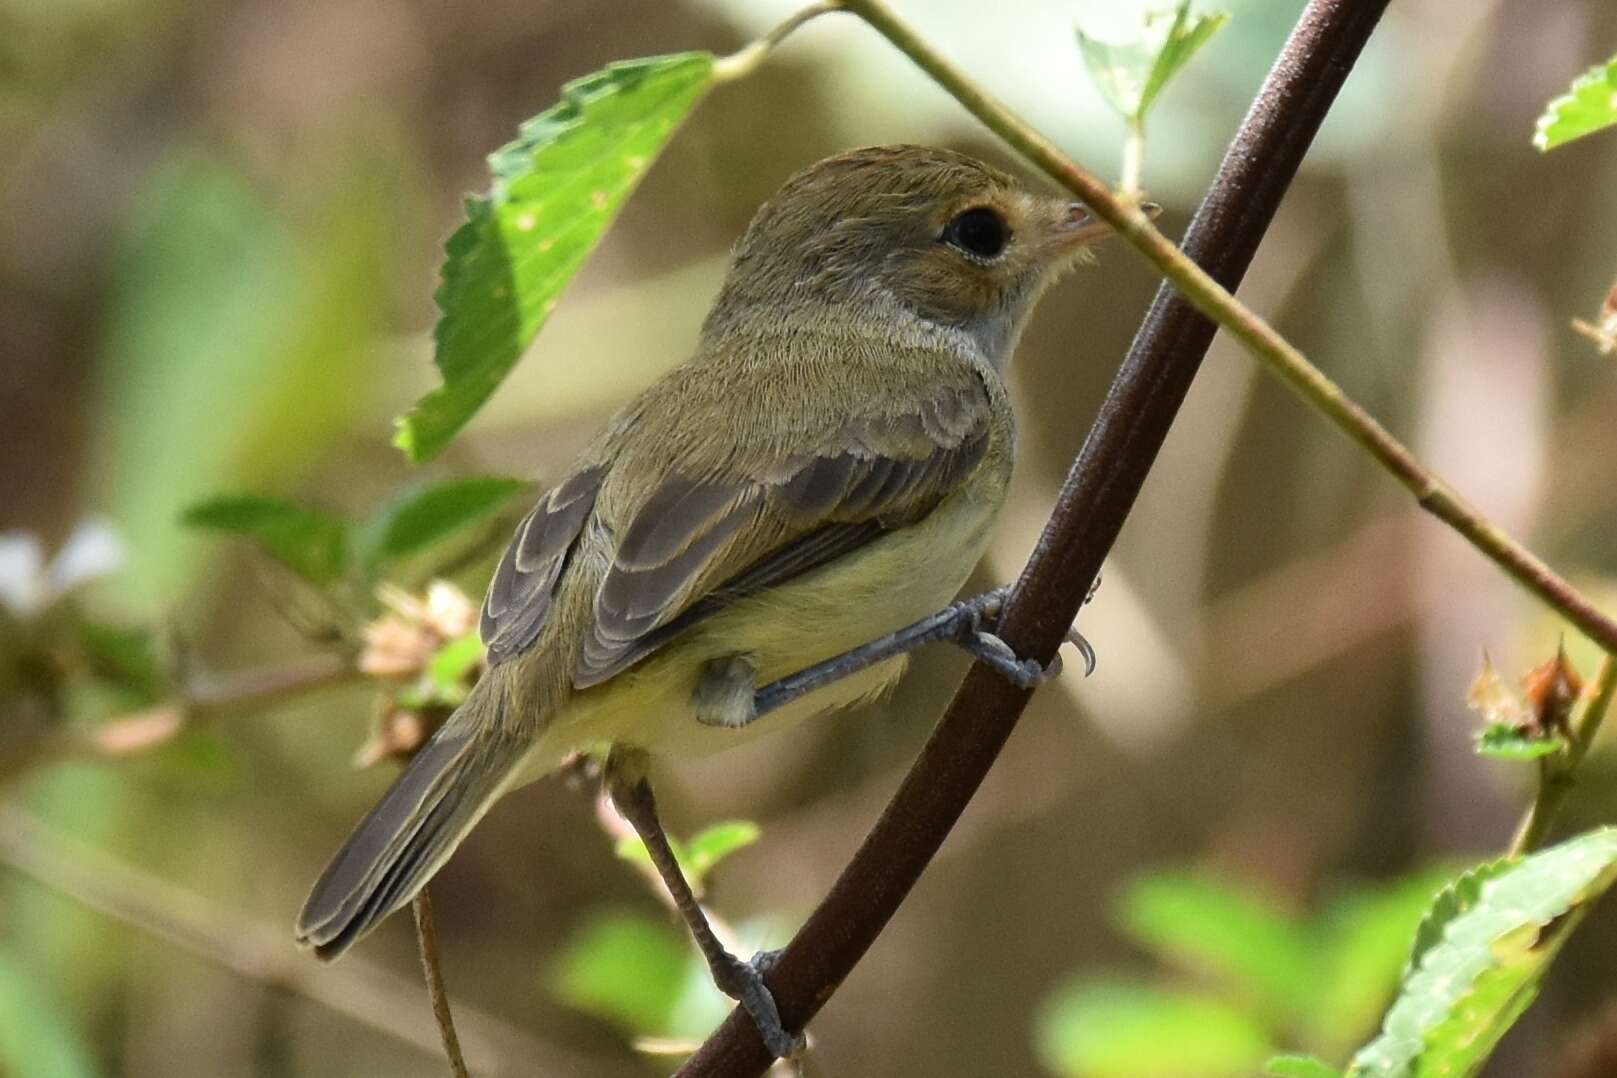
(762, 535)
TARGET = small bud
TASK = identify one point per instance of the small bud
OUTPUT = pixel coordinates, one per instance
(1552, 687)
(1605, 332)
(1518, 729)
(448, 612)
(399, 731)
(1491, 698)
(395, 648)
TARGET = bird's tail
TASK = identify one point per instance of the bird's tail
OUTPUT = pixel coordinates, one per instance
(411, 832)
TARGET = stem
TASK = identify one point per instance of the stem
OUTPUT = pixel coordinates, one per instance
(1260, 339)
(1133, 158)
(745, 61)
(426, 934)
(1098, 493)
(1555, 773)
(206, 698)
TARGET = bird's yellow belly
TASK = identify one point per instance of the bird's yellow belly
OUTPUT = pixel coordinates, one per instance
(898, 580)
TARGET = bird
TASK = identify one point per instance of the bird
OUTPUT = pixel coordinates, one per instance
(763, 534)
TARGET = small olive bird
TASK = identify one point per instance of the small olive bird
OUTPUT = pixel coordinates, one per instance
(759, 536)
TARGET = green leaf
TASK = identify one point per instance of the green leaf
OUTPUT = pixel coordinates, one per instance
(624, 968)
(125, 656)
(1364, 940)
(1450, 902)
(422, 517)
(713, 844)
(311, 543)
(1480, 956)
(1505, 742)
(451, 665)
(1299, 1067)
(629, 848)
(36, 1038)
(697, 857)
(1589, 105)
(556, 189)
(1130, 75)
(1212, 927)
(1130, 1031)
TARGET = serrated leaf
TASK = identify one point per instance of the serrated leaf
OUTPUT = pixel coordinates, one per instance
(416, 520)
(1132, 1031)
(556, 189)
(1364, 941)
(1589, 105)
(1508, 743)
(1299, 1067)
(310, 542)
(1454, 899)
(1130, 75)
(1215, 928)
(1480, 956)
(625, 968)
(713, 844)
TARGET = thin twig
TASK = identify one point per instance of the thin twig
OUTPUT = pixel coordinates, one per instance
(745, 62)
(205, 698)
(1096, 498)
(1556, 772)
(426, 934)
(1215, 300)
(363, 991)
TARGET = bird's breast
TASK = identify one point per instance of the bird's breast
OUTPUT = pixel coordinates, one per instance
(890, 583)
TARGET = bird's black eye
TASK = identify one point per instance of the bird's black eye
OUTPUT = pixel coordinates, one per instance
(979, 232)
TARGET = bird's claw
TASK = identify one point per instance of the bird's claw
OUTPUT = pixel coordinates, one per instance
(744, 983)
(988, 647)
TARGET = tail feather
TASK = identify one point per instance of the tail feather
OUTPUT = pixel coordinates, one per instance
(411, 832)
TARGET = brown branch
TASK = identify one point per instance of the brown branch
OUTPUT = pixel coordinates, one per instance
(426, 934)
(205, 698)
(1096, 498)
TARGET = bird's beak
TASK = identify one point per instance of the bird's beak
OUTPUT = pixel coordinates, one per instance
(1079, 227)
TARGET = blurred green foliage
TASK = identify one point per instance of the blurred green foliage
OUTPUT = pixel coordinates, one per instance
(1259, 978)
(699, 854)
(323, 547)
(643, 975)
(36, 1038)
(1481, 948)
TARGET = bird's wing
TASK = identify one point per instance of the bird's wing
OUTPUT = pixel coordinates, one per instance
(518, 597)
(706, 535)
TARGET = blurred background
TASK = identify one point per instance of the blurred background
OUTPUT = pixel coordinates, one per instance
(220, 227)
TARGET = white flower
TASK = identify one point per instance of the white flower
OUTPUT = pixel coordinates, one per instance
(28, 585)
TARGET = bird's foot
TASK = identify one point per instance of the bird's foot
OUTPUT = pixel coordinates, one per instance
(985, 645)
(744, 983)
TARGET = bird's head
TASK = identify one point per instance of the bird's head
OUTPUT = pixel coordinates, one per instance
(921, 233)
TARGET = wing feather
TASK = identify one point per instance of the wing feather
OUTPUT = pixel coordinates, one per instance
(707, 536)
